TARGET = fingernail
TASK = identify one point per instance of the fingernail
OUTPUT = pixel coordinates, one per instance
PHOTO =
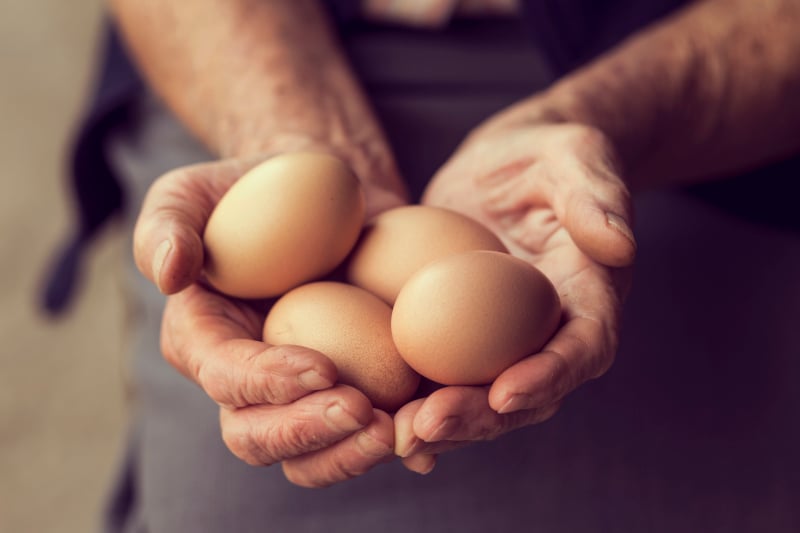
(425, 469)
(311, 380)
(341, 419)
(159, 259)
(515, 403)
(421, 464)
(408, 448)
(371, 446)
(445, 429)
(619, 224)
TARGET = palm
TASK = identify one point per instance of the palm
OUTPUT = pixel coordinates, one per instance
(546, 195)
(516, 201)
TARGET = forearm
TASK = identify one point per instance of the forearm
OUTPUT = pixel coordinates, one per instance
(250, 77)
(712, 90)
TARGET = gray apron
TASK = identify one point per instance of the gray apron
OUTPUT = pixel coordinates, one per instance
(693, 429)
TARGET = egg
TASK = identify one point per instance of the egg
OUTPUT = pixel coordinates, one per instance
(289, 220)
(465, 318)
(400, 241)
(353, 328)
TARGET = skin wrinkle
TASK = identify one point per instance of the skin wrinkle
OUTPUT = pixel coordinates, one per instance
(506, 172)
(435, 448)
(171, 196)
(209, 374)
(217, 182)
(716, 87)
(334, 469)
(262, 385)
(205, 370)
(556, 383)
(237, 433)
(649, 73)
(233, 122)
(526, 417)
(585, 371)
(536, 244)
(264, 439)
(291, 436)
(341, 130)
(502, 198)
(486, 427)
(307, 470)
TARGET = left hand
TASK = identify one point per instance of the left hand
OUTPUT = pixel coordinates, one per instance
(552, 192)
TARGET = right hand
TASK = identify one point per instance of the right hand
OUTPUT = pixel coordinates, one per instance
(277, 403)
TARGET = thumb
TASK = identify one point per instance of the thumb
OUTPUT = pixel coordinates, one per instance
(167, 239)
(599, 221)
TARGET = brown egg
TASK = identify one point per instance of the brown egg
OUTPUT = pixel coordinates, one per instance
(398, 242)
(290, 220)
(353, 328)
(463, 319)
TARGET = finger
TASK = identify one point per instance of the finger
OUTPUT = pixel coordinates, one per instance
(602, 233)
(406, 442)
(408, 445)
(262, 435)
(434, 449)
(579, 177)
(597, 212)
(348, 458)
(211, 341)
(464, 414)
(422, 463)
(167, 241)
(582, 349)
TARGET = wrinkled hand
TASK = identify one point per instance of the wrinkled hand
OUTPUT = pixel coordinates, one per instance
(553, 193)
(277, 403)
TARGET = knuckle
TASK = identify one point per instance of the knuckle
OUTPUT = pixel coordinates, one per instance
(213, 378)
(488, 432)
(267, 443)
(291, 439)
(559, 375)
(541, 414)
(297, 477)
(171, 340)
(233, 384)
(605, 359)
(342, 470)
(265, 377)
(580, 139)
(528, 417)
(603, 363)
(301, 477)
(168, 349)
(238, 438)
(327, 473)
(262, 387)
(586, 135)
(167, 181)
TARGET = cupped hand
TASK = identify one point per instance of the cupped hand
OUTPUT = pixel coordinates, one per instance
(277, 403)
(552, 191)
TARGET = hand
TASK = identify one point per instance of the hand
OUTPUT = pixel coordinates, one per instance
(277, 403)
(552, 192)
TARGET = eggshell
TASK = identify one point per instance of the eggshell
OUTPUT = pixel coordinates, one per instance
(290, 220)
(353, 328)
(464, 319)
(398, 242)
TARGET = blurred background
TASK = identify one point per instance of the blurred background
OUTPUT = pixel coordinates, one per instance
(62, 408)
